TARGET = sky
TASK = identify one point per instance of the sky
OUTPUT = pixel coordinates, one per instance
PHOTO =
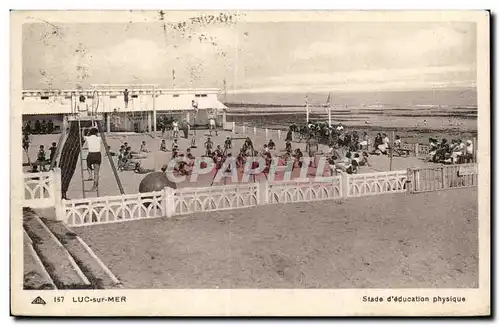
(252, 57)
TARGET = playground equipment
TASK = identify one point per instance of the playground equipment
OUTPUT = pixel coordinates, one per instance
(83, 117)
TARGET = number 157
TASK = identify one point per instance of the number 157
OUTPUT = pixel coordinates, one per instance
(58, 299)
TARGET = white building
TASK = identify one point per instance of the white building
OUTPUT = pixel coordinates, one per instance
(146, 105)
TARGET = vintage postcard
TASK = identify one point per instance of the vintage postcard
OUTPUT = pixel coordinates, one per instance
(250, 163)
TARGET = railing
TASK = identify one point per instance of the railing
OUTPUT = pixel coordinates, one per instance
(40, 189)
(370, 184)
(192, 200)
(443, 177)
(43, 190)
(300, 191)
(99, 210)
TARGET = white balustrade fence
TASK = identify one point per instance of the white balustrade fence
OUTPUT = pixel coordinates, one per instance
(369, 184)
(43, 190)
(192, 200)
(40, 189)
(295, 191)
(86, 211)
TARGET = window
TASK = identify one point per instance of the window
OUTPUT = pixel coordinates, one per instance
(135, 96)
(44, 97)
(112, 96)
(200, 95)
(175, 95)
(67, 97)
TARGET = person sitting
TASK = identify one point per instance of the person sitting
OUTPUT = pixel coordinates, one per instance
(298, 158)
(363, 145)
(144, 148)
(397, 142)
(43, 127)
(364, 160)
(271, 145)
(218, 150)
(163, 146)
(457, 152)
(189, 155)
(50, 127)
(140, 170)
(228, 144)
(37, 129)
(175, 144)
(469, 152)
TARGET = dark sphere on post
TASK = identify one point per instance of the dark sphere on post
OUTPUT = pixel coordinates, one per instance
(156, 181)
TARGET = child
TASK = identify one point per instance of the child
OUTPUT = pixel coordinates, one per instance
(163, 146)
(208, 146)
(174, 144)
(41, 158)
(228, 144)
(52, 150)
(288, 147)
(122, 160)
(144, 148)
(271, 144)
(140, 170)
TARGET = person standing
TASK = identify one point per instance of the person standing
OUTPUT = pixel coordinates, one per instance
(94, 157)
(125, 98)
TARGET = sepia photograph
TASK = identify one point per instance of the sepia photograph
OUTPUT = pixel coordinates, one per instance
(162, 154)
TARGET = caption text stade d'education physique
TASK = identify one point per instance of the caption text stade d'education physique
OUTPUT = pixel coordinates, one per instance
(412, 299)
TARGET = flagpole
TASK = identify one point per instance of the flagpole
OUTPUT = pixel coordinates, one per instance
(307, 110)
(329, 115)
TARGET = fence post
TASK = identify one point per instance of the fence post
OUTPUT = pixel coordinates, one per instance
(279, 133)
(234, 127)
(168, 193)
(416, 149)
(344, 184)
(56, 193)
(267, 133)
(254, 131)
(263, 192)
(244, 129)
(409, 181)
(443, 178)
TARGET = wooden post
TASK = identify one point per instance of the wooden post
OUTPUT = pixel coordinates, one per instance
(108, 122)
(234, 127)
(254, 131)
(391, 150)
(244, 129)
(474, 150)
(416, 150)
(154, 109)
(267, 133)
(279, 134)
(149, 122)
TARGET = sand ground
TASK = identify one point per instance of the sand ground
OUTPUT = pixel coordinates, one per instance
(399, 241)
(156, 159)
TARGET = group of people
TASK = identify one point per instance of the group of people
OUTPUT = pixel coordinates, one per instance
(456, 152)
(40, 127)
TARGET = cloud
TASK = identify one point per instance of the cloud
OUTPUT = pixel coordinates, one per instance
(367, 80)
(420, 47)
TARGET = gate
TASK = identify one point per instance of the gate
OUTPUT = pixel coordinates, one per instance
(443, 177)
